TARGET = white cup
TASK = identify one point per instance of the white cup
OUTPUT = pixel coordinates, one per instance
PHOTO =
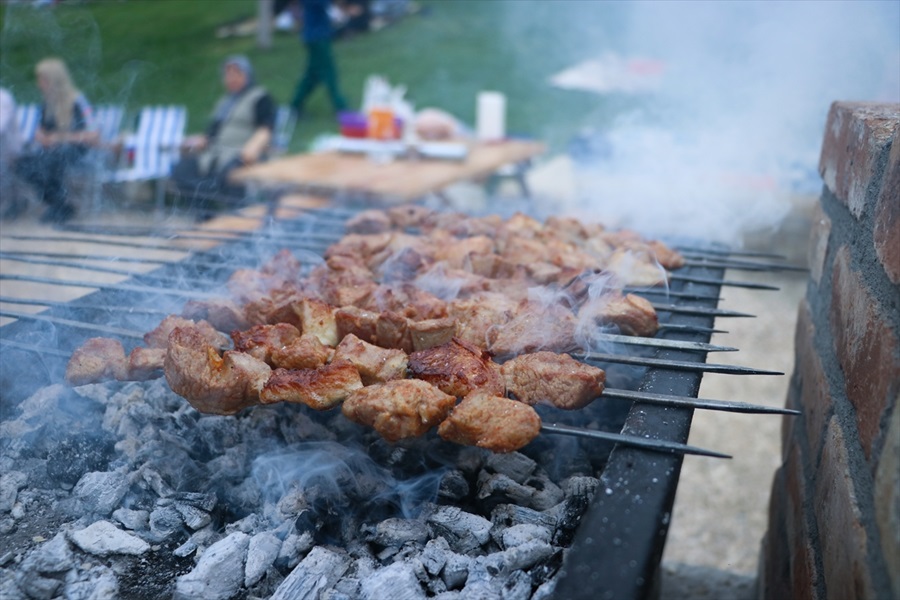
(490, 116)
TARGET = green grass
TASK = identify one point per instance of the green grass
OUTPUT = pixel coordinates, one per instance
(165, 51)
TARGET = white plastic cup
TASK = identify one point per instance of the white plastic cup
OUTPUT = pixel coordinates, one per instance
(490, 116)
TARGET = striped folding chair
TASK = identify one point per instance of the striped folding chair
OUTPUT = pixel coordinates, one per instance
(154, 148)
(28, 116)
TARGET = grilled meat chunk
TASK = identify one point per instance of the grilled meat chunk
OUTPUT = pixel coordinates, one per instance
(222, 314)
(633, 315)
(535, 327)
(221, 385)
(491, 422)
(320, 389)
(305, 352)
(369, 221)
(159, 337)
(457, 368)
(375, 364)
(98, 359)
(399, 409)
(555, 379)
(431, 332)
(356, 321)
(317, 318)
(260, 341)
(146, 363)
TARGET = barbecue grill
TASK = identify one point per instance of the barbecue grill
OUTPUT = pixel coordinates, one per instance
(616, 540)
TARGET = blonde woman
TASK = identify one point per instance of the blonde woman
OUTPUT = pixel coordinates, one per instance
(63, 137)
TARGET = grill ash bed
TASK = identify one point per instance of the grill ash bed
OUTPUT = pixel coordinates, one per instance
(566, 517)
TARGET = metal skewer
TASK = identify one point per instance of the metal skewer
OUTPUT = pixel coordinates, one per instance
(707, 404)
(744, 265)
(127, 333)
(121, 287)
(699, 310)
(675, 365)
(79, 306)
(722, 282)
(631, 440)
(657, 343)
(685, 250)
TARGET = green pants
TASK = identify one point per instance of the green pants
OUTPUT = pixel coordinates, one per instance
(320, 68)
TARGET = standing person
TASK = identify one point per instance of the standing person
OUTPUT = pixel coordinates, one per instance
(239, 133)
(317, 33)
(63, 137)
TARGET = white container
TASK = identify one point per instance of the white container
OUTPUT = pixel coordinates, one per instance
(490, 117)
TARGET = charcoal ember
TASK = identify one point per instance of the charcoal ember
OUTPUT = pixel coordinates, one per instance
(517, 586)
(292, 549)
(217, 433)
(319, 571)
(435, 555)
(186, 549)
(435, 586)
(102, 538)
(514, 465)
(262, 551)
(219, 572)
(523, 556)
(397, 581)
(396, 532)
(98, 582)
(155, 482)
(165, 522)
(203, 501)
(463, 531)
(545, 591)
(10, 484)
(537, 492)
(449, 595)
(335, 595)
(300, 428)
(136, 520)
(524, 533)
(453, 486)
(194, 517)
(456, 571)
(76, 455)
(41, 573)
(101, 492)
(546, 569)
(571, 510)
(507, 515)
(580, 485)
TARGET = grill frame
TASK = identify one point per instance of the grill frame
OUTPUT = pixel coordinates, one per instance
(643, 484)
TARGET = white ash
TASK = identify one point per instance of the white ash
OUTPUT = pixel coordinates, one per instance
(123, 490)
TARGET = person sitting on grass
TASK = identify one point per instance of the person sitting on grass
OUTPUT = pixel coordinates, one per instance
(239, 134)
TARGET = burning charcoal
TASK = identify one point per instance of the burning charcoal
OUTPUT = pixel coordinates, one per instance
(10, 484)
(205, 502)
(335, 595)
(453, 486)
(135, 520)
(156, 482)
(507, 515)
(41, 573)
(219, 572)
(103, 538)
(547, 493)
(580, 486)
(292, 548)
(186, 549)
(319, 571)
(521, 534)
(435, 586)
(463, 531)
(76, 455)
(571, 511)
(435, 555)
(99, 582)
(164, 522)
(516, 587)
(514, 465)
(101, 492)
(193, 517)
(456, 571)
(396, 532)
(261, 554)
(523, 556)
(546, 569)
(397, 581)
(497, 488)
(545, 591)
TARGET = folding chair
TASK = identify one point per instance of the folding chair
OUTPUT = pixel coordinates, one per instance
(154, 148)
(28, 116)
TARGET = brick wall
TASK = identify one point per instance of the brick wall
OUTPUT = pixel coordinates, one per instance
(834, 513)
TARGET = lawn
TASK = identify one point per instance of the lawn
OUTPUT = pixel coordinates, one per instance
(140, 52)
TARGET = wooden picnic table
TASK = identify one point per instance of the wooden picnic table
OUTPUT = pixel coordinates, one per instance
(399, 180)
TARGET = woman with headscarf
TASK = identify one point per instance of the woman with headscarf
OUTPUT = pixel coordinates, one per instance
(63, 137)
(239, 133)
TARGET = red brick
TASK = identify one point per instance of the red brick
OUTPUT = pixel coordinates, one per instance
(866, 348)
(886, 232)
(856, 135)
(804, 574)
(818, 243)
(887, 498)
(815, 398)
(774, 573)
(838, 516)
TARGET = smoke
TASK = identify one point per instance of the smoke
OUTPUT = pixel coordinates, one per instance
(732, 132)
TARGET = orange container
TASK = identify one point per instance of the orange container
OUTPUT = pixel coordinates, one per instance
(381, 125)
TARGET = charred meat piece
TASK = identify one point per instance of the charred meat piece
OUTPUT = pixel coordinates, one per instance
(399, 409)
(375, 364)
(146, 363)
(555, 379)
(317, 318)
(633, 315)
(320, 389)
(535, 327)
(159, 337)
(221, 385)
(491, 422)
(480, 314)
(305, 352)
(457, 368)
(636, 267)
(222, 314)
(261, 340)
(98, 359)
(356, 321)
(392, 331)
(431, 332)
